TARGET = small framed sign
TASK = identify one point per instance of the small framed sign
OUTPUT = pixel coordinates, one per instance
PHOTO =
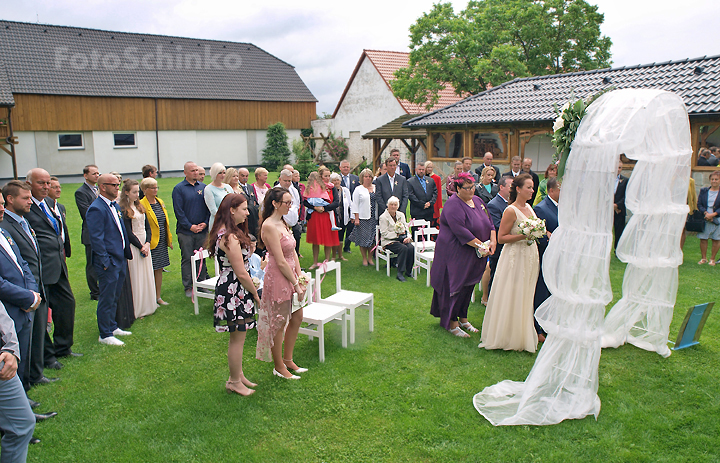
(692, 326)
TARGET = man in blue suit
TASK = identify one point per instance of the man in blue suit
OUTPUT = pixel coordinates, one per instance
(496, 207)
(349, 181)
(18, 291)
(547, 209)
(110, 248)
(402, 168)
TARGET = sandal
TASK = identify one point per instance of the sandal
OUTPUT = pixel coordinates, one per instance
(711, 263)
(483, 302)
(459, 332)
(469, 327)
(702, 261)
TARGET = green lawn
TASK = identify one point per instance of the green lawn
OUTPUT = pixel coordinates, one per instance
(402, 393)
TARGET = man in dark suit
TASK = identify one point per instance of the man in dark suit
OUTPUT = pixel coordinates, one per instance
(515, 167)
(18, 292)
(422, 193)
(487, 162)
(527, 168)
(18, 202)
(60, 298)
(111, 246)
(349, 181)
(401, 168)
(253, 206)
(467, 168)
(496, 207)
(391, 184)
(58, 209)
(84, 196)
(619, 205)
(547, 209)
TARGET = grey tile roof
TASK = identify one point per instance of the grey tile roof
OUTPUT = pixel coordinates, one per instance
(6, 97)
(59, 60)
(532, 99)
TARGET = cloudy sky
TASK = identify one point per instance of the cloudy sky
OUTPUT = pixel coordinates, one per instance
(324, 39)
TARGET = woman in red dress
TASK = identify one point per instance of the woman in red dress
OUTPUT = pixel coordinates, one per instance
(319, 228)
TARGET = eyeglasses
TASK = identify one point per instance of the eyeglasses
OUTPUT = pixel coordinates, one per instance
(471, 187)
(116, 185)
(286, 202)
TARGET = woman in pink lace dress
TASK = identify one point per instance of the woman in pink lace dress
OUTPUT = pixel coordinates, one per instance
(276, 322)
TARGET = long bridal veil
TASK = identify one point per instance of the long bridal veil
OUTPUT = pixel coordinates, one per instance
(652, 127)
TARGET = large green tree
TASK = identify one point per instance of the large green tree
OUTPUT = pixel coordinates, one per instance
(493, 41)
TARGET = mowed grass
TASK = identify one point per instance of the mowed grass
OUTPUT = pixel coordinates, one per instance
(400, 394)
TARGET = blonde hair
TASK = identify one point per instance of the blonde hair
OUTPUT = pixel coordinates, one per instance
(216, 169)
(314, 182)
(321, 170)
(260, 170)
(147, 182)
(487, 168)
(365, 172)
(230, 172)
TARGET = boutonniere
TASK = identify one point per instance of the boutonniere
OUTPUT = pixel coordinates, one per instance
(9, 240)
(482, 207)
(199, 192)
(395, 182)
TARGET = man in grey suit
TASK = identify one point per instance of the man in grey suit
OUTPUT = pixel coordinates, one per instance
(48, 232)
(422, 193)
(84, 196)
(18, 422)
(388, 185)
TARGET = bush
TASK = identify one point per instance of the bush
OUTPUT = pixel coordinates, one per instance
(304, 162)
(276, 152)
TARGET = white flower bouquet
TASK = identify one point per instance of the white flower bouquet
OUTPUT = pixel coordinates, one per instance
(400, 228)
(256, 282)
(304, 279)
(533, 229)
(483, 249)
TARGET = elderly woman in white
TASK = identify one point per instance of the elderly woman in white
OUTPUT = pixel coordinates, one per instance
(216, 191)
(395, 236)
(364, 216)
(342, 213)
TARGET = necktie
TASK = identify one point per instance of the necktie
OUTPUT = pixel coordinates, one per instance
(50, 217)
(346, 181)
(26, 228)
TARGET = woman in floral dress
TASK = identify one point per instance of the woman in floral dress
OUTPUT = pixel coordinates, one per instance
(235, 294)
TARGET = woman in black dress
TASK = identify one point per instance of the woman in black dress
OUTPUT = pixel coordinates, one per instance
(235, 294)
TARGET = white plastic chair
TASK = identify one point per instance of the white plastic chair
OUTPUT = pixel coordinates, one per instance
(316, 315)
(422, 237)
(424, 251)
(349, 299)
(381, 253)
(208, 284)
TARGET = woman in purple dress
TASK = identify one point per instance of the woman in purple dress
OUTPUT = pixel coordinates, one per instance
(464, 225)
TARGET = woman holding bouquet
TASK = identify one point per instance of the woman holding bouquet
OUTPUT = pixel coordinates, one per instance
(508, 322)
(466, 237)
(395, 236)
(235, 293)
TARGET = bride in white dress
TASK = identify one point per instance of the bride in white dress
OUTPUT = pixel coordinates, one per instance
(508, 322)
(140, 267)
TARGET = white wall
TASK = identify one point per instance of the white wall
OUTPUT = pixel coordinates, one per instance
(24, 153)
(226, 146)
(540, 150)
(123, 159)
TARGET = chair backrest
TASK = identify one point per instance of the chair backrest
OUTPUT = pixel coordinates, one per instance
(204, 254)
(327, 267)
(427, 231)
(419, 223)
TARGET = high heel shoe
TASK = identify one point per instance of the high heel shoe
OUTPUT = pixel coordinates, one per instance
(276, 373)
(297, 369)
(229, 389)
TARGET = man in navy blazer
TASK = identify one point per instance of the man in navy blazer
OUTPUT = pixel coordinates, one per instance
(619, 205)
(496, 207)
(422, 197)
(84, 196)
(401, 167)
(18, 291)
(388, 185)
(110, 248)
(547, 209)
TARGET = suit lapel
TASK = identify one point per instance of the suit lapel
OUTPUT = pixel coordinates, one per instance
(10, 260)
(16, 225)
(35, 208)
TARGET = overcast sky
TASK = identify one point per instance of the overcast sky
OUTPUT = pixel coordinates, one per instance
(324, 40)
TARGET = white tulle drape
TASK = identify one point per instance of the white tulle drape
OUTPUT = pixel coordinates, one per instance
(563, 383)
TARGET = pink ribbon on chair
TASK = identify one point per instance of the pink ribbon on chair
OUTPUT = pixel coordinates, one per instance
(198, 253)
(422, 235)
(316, 290)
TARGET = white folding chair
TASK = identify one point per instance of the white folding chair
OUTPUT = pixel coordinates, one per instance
(349, 299)
(381, 253)
(423, 259)
(316, 315)
(424, 250)
(422, 237)
(208, 284)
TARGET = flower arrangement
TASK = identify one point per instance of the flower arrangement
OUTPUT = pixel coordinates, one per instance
(483, 249)
(533, 229)
(256, 282)
(400, 228)
(304, 279)
(3, 122)
(566, 125)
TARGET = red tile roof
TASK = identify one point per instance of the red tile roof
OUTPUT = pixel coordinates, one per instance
(386, 63)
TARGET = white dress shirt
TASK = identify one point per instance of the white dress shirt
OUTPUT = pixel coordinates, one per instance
(291, 218)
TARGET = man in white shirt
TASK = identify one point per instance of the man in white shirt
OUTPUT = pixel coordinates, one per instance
(291, 218)
(515, 167)
(487, 162)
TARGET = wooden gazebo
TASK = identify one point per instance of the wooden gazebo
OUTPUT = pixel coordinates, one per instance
(382, 136)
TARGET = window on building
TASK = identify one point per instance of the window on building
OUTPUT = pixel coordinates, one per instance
(125, 140)
(490, 142)
(71, 141)
(447, 145)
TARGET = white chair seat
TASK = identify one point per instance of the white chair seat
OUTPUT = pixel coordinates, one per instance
(208, 284)
(424, 260)
(381, 253)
